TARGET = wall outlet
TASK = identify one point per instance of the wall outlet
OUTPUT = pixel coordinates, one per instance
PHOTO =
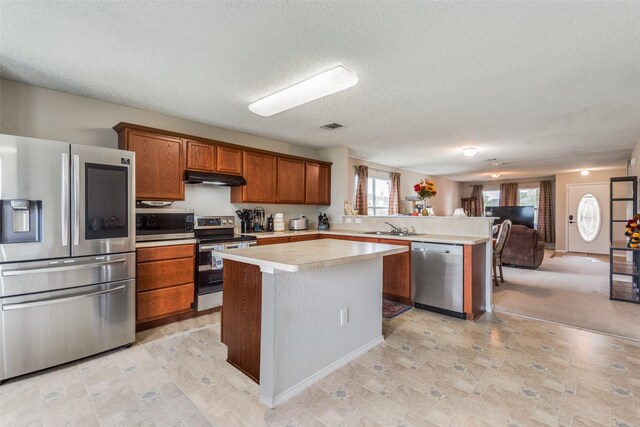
(358, 220)
(344, 316)
(347, 220)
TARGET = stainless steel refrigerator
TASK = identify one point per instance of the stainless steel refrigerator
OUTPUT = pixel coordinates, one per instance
(67, 252)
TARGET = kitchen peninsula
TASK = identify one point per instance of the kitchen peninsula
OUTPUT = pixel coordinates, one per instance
(295, 312)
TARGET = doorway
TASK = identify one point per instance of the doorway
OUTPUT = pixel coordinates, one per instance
(588, 216)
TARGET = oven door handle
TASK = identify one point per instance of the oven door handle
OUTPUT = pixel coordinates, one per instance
(205, 248)
(232, 246)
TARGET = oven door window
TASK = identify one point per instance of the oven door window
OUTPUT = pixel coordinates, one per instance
(106, 202)
(209, 271)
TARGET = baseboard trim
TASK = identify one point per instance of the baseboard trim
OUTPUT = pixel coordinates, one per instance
(304, 384)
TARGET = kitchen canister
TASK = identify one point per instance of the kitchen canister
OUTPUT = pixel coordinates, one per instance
(278, 222)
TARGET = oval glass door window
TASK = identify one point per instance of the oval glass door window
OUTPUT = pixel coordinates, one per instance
(589, 218)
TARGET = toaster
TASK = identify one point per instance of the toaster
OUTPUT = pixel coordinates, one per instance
(296, 224)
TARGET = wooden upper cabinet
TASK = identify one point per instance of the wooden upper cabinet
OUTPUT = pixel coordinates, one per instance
(229, 160)
(159, 164)
(260, 171)
(318, 184)
(201, 156)
(291, 174)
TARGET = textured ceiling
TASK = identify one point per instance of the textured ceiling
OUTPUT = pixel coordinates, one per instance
(545, 87)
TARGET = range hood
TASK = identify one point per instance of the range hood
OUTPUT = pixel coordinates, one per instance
(213, 178)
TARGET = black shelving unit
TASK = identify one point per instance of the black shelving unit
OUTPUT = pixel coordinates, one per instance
(624, 277)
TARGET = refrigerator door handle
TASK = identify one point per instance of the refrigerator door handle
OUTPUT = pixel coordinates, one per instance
(65, 199)
(40, 270)
(76, 200)
(18, 306)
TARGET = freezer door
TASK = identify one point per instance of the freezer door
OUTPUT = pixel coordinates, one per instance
(37, 171)
(49, 275)
(103, 200)
(46, 329)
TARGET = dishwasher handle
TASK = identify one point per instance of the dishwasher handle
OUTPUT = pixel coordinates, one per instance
(436, 251)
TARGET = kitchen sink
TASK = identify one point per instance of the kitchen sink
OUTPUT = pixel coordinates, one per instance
(390, 233)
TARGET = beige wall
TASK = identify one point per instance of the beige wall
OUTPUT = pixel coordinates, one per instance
(562, 180)
(42, 113)
(444, 203)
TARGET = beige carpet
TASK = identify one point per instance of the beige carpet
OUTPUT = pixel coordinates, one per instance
(571, 289)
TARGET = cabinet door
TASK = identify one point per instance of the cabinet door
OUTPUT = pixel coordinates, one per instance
(159, 166)
(291, 180)
(318, 184)
(201, 156)
(396, 275)
(260, 171)
(229, 160)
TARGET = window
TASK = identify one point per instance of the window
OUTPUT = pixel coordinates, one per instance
(491, 198)
(529, 197)
(589, 218)
(378, 196)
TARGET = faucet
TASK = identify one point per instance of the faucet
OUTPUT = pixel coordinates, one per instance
(395, 229)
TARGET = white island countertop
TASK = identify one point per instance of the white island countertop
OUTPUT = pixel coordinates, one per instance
(300, 256)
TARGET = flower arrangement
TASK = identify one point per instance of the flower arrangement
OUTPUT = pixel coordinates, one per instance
(425, 189)
(632, 231)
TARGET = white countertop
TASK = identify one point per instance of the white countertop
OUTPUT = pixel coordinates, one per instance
(312, 254)
(434, 238)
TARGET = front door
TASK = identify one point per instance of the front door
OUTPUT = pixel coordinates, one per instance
(588, 217)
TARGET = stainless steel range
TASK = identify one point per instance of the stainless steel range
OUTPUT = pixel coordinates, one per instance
(214, 233)
(67, 252)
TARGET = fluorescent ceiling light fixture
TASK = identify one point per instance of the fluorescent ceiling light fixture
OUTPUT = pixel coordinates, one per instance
(584, 172)
(470, 151)
(331, 81)
(495, 175)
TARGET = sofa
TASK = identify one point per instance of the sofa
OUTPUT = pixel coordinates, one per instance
(524, 248)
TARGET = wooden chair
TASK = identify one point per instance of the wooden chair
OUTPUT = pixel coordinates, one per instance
(498, 249)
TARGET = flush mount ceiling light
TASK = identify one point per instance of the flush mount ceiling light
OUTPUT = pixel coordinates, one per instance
(470, 151)
(584, 172)
(331, 81)
(495, 175)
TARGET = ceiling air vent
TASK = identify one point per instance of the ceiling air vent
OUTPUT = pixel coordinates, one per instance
(492, 159)
(331, 126)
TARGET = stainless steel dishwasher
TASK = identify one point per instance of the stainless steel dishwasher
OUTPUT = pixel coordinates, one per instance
(437, 277)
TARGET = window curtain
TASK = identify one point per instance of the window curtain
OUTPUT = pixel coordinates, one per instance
(509, 194)
(546, 224)
(479, 200)
(395, 204)
(362, 172)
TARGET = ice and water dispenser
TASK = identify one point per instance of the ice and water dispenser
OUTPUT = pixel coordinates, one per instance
(21, 221)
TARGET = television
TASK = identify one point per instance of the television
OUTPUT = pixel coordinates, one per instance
(523, 215)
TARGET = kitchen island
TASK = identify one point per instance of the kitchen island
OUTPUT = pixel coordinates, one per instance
(296, 312)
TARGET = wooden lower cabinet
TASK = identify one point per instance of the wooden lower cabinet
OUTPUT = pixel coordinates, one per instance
(335, 236)
(475, 270)
(164, 281)
(396, 273)
(242, 315)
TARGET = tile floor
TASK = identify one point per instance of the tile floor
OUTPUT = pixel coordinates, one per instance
(431, 371)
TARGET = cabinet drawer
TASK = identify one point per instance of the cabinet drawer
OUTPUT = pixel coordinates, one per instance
(163, 302)
(164, 252)
(273, 241)
(336, 237)
(161, 274)
(304, 238)
(366, 239)
(395, 242)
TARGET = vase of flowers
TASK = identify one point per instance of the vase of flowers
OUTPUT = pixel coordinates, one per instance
(425, 189)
